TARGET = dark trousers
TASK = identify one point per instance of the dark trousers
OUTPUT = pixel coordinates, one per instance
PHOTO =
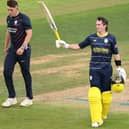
(24, 61)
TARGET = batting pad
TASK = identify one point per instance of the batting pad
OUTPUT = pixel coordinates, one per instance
(94, 96)
(106, 102)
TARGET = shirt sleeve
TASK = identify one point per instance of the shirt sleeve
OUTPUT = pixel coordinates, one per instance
(7, 20)
(84, 43)
(114, 46)
(27, 23)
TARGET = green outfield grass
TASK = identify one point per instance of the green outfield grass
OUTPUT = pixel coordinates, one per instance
(56, 69)
(47, 116)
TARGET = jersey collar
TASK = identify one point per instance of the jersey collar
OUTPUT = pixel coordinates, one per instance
(102, 35)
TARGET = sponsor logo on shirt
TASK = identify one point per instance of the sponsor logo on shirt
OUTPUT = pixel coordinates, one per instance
(12, 30)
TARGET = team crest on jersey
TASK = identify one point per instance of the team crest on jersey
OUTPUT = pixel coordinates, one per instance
(106, 40)
(15, 22)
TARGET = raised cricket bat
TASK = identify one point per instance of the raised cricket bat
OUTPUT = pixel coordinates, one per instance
(50, 19)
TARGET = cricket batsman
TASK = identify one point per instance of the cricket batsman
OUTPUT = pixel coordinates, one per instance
(103, 45)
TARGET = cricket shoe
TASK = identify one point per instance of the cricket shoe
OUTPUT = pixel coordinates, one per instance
(96, 124)
(26, 102)
(9, 102)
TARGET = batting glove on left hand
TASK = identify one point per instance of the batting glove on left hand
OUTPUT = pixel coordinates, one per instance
(61, 43)
(121, 71)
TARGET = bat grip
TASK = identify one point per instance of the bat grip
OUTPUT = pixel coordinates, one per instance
(57, 35)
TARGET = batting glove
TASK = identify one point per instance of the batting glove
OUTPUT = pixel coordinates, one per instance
(61, 43)
(57, 44)
(121, 72)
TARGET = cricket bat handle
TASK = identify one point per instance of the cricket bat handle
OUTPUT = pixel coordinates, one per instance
(57, 35)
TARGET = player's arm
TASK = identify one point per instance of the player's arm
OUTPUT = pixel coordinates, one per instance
(74, 46)
(26, 42)
(61, 43)
(81, 45)
(7, 41)
(27, 39)
(117, 60)
(115, 52)
(28, 30)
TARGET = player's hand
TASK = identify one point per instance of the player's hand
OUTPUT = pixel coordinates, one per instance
(20, 51)
(121, 71)
(6, 50)
(61, 43)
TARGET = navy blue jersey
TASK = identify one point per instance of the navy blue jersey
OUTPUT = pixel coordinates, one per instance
(17, 27)
(102, 49)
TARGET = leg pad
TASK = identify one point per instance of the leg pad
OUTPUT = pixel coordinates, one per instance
(106, 101)
(94, 96)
